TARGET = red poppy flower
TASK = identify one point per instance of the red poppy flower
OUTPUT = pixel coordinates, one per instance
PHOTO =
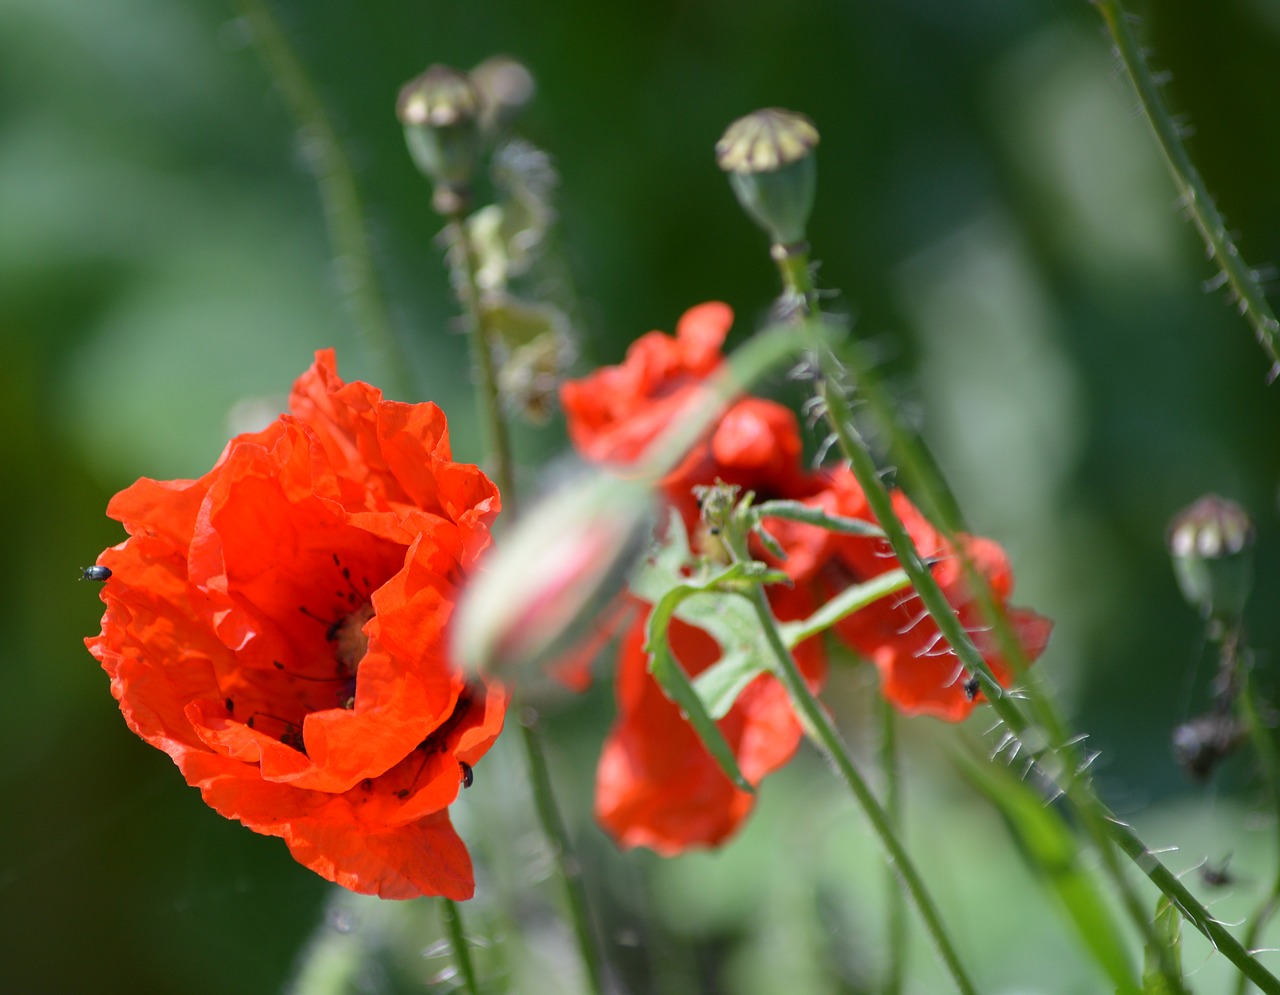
(919, 671)
(277, 627)
(756, 444)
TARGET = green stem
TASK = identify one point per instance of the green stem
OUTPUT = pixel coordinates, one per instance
(1264, 748)
(558, 840)
(1046, 743)
(822, 732)
(452, 916)
(339, 194)
(896, 914)
(499, 448)
(1195, 197)
(494, 425)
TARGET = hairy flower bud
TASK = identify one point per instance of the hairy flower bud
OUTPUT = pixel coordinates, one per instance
(769, 158)
(1211, 544)
(440, 111)
(552, 577)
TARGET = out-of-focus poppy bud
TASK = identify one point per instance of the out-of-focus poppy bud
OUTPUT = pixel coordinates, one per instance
(506, 88)
(769, 158)
(551, 578)
(1211, 544)
(440, 111)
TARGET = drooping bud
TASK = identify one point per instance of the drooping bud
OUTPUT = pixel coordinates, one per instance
(505, 87)
(550, 580)
(769, 158)
(1211, 544)
(440, 112)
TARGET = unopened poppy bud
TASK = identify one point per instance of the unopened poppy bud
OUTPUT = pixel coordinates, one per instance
(1211, 544)
(440, 112)
(505, 87)
(550, 579)
(769, 158)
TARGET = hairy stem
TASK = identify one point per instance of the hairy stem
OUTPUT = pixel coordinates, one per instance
(1047, 742)
(339, 194)
(1236, 273)
(824, 735)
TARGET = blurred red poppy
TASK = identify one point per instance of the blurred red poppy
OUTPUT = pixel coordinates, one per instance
(277, 627)
(655, 781)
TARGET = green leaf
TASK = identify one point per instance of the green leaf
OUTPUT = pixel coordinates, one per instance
(1168, 932)
(675, 685)
(1050, 848)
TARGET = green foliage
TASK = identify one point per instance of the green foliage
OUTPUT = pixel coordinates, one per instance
(1050, 848)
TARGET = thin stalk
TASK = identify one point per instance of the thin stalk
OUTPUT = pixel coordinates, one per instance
(822, 732)
(452, 917)
(340, 198)
(1050, 739)
(1236, 273)
(498, 446)
(1264, 748)
(558, 839)
(494, 426)
(896, 912)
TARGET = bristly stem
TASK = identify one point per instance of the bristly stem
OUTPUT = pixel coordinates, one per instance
(822, 732)
(339, 194)
(1049, 740)
(452, 917)
(498, 446)
(1249, 296)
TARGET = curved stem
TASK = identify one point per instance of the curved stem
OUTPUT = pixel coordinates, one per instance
(339, 195)
(1236, 273)
(452, 917)
(822, 732)
(1047, 742)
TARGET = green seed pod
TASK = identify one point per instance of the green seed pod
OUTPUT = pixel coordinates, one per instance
(440, 111)
(769, 158)
(1211, 544)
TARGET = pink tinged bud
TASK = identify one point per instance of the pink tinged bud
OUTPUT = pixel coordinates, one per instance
(550, 579)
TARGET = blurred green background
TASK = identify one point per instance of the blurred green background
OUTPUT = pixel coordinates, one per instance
(1001, 228)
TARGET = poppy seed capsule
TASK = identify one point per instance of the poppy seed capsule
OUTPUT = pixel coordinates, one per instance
(769, 158)
(440, 111)
(98, 573)
(1211, 545)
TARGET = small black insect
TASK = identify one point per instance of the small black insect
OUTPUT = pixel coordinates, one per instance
(468, 778)
(1217, 877)
(971, 688)
(96, 573)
